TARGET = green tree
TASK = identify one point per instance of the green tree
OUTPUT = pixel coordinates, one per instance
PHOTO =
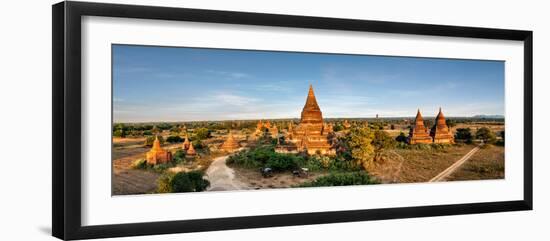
(450, 123)
(192, 181)
(203, 133)
(381, 142)
(464, 134)
(174, 139)
(338, 127)
(486, 135)
(401, 137)
(360, 143)
(119, 133)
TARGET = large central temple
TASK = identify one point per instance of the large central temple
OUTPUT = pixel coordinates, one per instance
(312, 134)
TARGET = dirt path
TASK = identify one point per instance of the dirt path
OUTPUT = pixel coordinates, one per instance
(222, 177)
(444, 174)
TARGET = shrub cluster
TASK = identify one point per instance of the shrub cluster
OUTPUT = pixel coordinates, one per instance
(174, 139)
(265, 156)
(179, 156)
(139, 164)
(192, 181)
(341, 179)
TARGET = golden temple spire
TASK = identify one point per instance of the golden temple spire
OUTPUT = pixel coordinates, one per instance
(156, 143)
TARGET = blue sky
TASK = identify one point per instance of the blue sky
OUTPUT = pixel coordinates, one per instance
(188, 84)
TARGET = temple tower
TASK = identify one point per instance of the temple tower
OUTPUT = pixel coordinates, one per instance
(440, 131)
(157, 155)
(230, 144)
(419, 133)
(310, 135)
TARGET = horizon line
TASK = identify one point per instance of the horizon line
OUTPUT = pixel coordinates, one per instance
(223, 120)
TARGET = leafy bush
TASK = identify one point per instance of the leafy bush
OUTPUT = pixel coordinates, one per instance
(401, 138)
(182, 182)
(189, 182)
(197, 144)
(341, 179)
(265, 156)
(281, 162)
(486, 134)
(464, 134)
(174, 139)
(163, 184)
(202, 133)
(179, 156)
(139, 164)
(119, 133)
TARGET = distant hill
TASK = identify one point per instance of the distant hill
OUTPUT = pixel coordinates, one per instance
(488, 116)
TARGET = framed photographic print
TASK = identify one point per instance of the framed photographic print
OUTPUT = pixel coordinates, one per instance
(170, 120)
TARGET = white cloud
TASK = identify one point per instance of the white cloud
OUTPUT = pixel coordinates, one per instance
(232, 99)
(229, 75)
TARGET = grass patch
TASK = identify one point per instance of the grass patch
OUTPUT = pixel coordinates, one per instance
(341, 179)
(487, 163)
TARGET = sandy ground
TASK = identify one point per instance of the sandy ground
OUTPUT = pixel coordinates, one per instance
(131, 181)
(222, 177)
(255, 180)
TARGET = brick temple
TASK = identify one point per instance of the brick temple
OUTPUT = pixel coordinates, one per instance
(419, 133)
(191, 151)
(440, 132)
(157, 155)
(273, 130)
(311, 135)
(230, 144)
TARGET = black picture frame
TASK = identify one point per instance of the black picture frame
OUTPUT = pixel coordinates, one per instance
(66, 127)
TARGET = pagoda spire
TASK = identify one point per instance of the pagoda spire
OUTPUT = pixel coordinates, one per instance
(311, 113)
(418, 116)
(311, 101)
(156, 143)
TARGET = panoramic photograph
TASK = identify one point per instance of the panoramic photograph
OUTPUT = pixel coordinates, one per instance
(198, 120)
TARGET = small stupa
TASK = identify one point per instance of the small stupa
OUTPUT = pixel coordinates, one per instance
(419, 133)
(230, 144)
(157, 155)
(191, 151)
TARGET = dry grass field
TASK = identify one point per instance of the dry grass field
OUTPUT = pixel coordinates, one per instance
(487, 163)
(422, 165)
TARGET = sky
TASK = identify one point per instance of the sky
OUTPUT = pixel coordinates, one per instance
(153, 84)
